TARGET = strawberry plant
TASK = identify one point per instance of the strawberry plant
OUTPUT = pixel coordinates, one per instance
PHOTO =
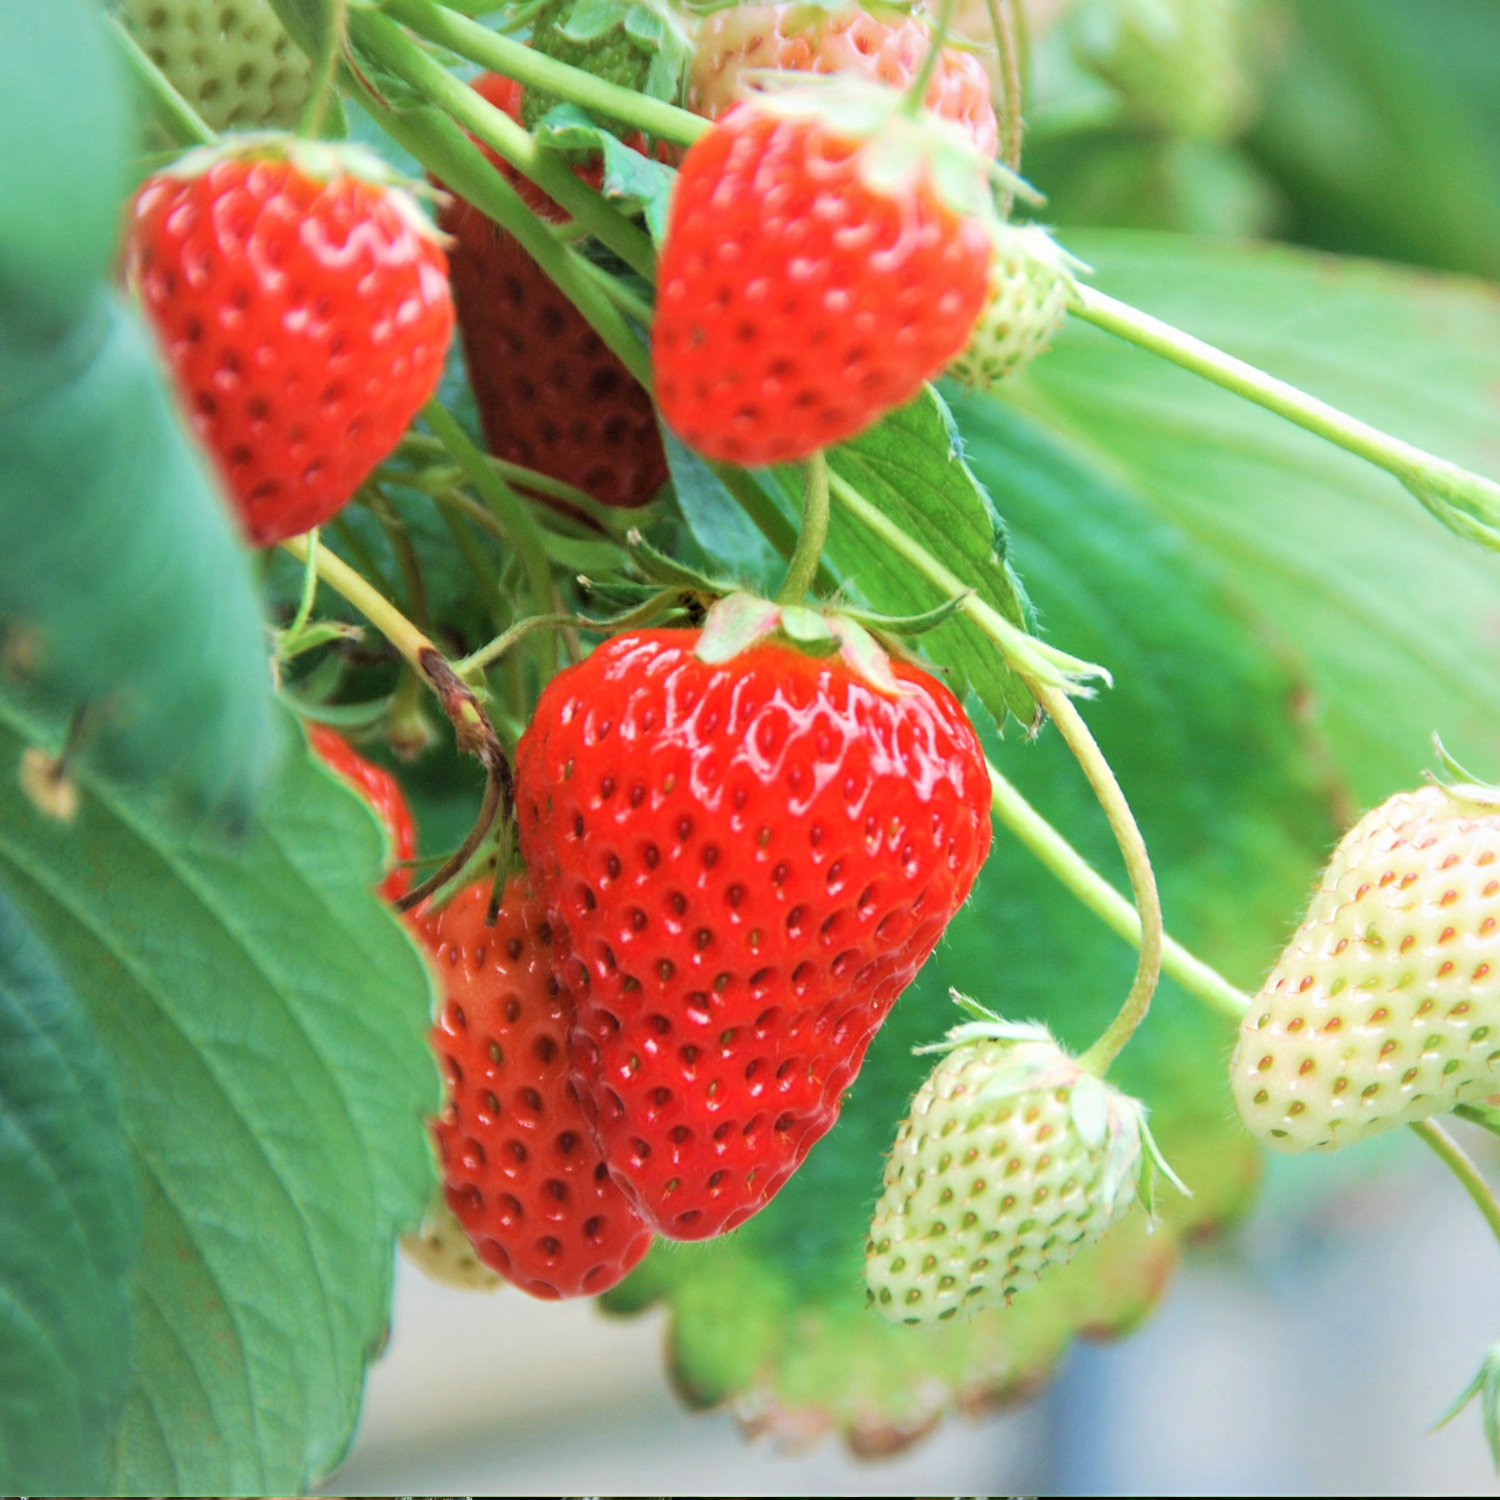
(528, 799)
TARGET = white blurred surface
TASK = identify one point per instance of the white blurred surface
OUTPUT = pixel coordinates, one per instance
(1309, 1354)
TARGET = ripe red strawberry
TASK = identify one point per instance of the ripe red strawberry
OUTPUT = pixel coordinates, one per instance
(303, 306)
(519, 1166)
(551, 394)
(383, 792)
(747, 863)
(816, 272)
(796, 37)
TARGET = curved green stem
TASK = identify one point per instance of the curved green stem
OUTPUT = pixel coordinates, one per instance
(1465, 502)
(1453, 1156)
(1092, 890)
(803, 568)
(1050, 676)
(501, 133)
(1002, 14)
(324, 69)
(535, 70)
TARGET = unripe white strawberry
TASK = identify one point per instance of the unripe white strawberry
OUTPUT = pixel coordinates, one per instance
(1385, 1006)
(1031, 281)
(230, 59)
(1177, 62)
(442, 1251)
(1012, 1159)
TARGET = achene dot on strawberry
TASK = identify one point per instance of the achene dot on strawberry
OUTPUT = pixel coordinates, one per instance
(747, 863)
(521, 1171)
(802, 295)
(387, 801)
(305, 314)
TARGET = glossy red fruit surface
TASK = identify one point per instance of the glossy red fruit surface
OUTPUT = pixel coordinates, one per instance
(305, 319)
(551, 394)
(519, 1166)
(731, 44)
(746, 863)
(797, 303)
(383, 792)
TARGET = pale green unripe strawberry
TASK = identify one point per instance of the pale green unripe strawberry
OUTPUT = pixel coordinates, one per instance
(1177, 62)
(230, 59)
(1031, 282)
(1385, 1006)
(1012, 1159)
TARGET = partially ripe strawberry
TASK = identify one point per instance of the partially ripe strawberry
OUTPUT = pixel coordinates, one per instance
(232, 60)
(847, 39)
(825, 256)
(1011, 1160)
(387, 801)
(1385, 1006)
(746, 860)
(551, 394)
(520, 1169)
(1030, 287)
(302, 304)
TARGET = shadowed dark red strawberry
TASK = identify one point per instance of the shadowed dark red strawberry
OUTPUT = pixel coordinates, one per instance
(747, 863)
(551, 395)
(521, 1171)
(303, 307)
(387, 801)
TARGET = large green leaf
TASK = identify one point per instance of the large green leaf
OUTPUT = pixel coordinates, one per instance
(1199, 730)
(265, 1016)
(68, 1203)
(123, 589)
(63, 143)
(1388, 616)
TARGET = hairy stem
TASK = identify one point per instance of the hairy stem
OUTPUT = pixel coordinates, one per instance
(803, 568)
(535, 70)
(1453, 1156)
(501, 133)
(1002, 23)
(1466, 502)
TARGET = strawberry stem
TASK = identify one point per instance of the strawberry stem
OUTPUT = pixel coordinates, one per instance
(535, 70)
(803, 568)
(1466, 503)
(325, 68)
(384, 40)
(1002, 24)
(916, 92)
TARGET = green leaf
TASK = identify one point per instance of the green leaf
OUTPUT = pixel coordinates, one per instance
(64, 138)
(68, 1203)
(1387, 617)
(911, 466)
(317, 26)
(123, 588)
(265, 1015)
(1200, 732)
(633, 182)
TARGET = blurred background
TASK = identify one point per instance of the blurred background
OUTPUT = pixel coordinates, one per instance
(1306, 1352)
(1310, 1349)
